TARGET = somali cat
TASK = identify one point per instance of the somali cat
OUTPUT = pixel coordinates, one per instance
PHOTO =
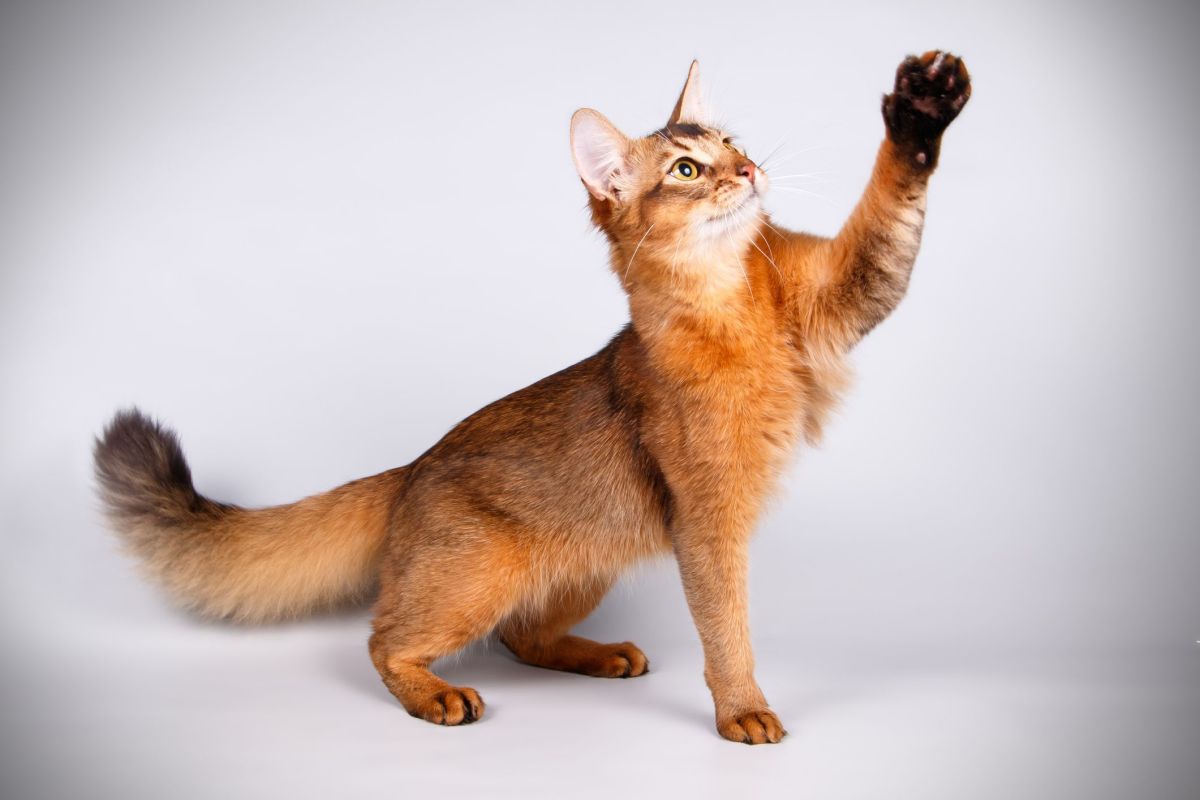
(666, 441)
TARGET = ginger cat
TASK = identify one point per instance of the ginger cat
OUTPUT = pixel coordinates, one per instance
(668, 440)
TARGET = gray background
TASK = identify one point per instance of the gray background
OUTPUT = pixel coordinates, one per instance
(313, 237)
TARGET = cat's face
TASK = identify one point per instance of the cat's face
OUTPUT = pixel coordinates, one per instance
(687, 175)
(687, 191)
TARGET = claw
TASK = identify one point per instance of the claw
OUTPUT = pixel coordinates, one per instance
(936, 65)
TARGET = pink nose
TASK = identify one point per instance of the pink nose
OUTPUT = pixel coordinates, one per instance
(747, 170)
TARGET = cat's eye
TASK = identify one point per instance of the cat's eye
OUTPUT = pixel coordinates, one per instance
(729, 145)
(686, 170)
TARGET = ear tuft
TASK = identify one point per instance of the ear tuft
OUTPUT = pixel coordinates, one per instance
(689, 108)
(599, 150)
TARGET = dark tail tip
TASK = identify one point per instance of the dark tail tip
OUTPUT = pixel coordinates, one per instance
(142, 471)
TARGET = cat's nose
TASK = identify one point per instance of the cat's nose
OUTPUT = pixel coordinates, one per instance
(747, 170)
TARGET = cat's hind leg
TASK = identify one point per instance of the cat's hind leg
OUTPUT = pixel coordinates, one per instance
(424, 694)
(539, 635)
(436, 602)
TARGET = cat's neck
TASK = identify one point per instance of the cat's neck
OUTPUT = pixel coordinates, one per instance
(702, 275)
(721, 297)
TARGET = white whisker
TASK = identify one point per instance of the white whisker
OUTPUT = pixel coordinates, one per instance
(800, 175)
(767, 257)
(764, 238)
(790, 184)
(771, 256)
(790, 156)
(802, 191)
(739, 258)
(775, 147)
(763, 218)
(635, 251)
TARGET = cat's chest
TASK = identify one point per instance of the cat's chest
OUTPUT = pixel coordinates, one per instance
(742, 395)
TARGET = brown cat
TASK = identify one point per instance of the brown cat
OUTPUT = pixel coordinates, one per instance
(667, 440)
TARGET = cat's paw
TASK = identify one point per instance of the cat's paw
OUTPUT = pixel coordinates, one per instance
(752, 727)
(453, 706)
(624, 661)
(930, 92)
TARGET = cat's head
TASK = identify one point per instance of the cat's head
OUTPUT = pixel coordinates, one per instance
(687, 192)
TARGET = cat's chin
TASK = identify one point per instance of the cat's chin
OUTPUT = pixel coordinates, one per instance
(742, 217)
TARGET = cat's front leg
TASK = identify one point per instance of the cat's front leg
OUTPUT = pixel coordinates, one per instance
(712, 555)
(856, 279)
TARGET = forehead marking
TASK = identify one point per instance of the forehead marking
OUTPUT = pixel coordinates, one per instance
(687, 150)
(683, 129)
(687, 129)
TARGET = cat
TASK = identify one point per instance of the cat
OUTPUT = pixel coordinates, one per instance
(668, 440)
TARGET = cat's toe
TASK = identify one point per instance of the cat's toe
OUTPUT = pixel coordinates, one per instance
(752, 727)
(455, 706)
(936, 85)
(624, 661)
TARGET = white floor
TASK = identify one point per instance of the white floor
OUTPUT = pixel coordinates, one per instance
(192, 710)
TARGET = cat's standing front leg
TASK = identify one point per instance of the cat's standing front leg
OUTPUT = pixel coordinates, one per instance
(711, 547)
(862, 274)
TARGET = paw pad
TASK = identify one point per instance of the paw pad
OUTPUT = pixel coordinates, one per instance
(929, 93)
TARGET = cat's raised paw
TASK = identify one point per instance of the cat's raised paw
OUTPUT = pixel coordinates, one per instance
(454, 706)
(753, 727)
(930, 92)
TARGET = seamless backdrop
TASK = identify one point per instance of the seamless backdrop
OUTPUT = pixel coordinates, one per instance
(312, 237)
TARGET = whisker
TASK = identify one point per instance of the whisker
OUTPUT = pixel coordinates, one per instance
(635, 252)
(763, 218)
(740, 266)
(767, 257)
(801, 191)
(764, 238)
(794, 183)
(803, 182)
(775, 147)
(790, 156)
(800, 175)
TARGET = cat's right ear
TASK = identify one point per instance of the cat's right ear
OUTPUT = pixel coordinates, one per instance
(599, 150)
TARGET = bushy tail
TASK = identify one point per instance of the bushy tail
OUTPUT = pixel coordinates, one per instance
(224, 561)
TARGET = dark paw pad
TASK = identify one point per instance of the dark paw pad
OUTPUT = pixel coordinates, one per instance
(930, 92)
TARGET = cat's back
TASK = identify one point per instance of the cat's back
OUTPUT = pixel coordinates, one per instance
(564, 454)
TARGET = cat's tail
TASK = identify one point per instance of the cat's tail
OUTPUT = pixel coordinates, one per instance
(250, 565)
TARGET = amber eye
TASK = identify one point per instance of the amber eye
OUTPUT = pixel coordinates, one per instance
(686, 170)
(729, 145)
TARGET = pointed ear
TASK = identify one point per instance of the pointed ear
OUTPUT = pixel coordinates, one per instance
(689, 108)
(599, 150)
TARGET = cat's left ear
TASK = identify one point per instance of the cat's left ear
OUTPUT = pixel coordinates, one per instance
(689, 108)
(599, 150)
